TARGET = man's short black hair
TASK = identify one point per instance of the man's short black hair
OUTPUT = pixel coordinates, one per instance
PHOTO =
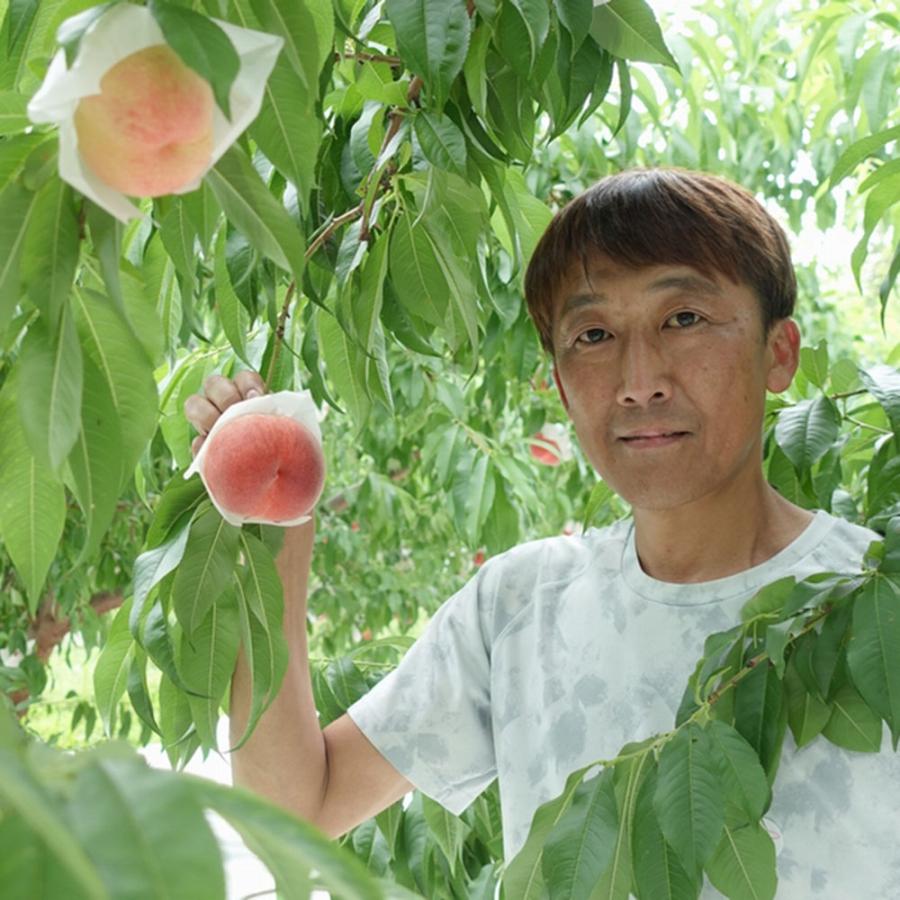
(664, 216)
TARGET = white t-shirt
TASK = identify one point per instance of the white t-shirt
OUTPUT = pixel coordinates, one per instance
(562, 650)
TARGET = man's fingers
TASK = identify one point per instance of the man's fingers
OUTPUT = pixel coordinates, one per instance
(221, 391)
(201, 413)
(247, 380)
(196, 444)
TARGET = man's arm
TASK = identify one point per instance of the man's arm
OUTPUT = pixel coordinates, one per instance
(334, 779)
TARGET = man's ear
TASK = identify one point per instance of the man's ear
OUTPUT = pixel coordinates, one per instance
(559, 387)
(784, 352)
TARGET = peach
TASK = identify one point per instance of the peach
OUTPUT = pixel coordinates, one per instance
(545, 454)
(150, 129)
(264, 467)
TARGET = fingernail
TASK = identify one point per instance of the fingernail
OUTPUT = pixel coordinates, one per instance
(253, 392)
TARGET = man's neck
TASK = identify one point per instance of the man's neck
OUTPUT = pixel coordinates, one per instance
(715, 538)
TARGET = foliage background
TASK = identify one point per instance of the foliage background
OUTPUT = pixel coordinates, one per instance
(772, 96)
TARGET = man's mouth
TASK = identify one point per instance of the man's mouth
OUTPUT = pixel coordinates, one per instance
(653, 438)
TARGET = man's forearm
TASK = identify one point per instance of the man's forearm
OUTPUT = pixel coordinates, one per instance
(284, 759)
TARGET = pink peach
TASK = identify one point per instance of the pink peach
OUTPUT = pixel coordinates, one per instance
(150, 129)
(264, 467)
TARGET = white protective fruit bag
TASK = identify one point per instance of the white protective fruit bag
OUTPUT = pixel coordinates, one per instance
(297, 405)
(125, 29)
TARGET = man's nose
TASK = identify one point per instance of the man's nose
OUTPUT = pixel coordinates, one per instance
(644, 376)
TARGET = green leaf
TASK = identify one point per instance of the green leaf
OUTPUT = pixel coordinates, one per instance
(522, 877)
(743, 866)
(232, 315)
(149, 570)
(13, 115)
(95, 465)
(255, 212)
(873, 653)
(206, 662)
(433, 39)
(32, 501)
(447, 830)
(442, 142)
(288, 846)
(346, 367)
(806, 431)
(579, 848)
(292, 21)
(28, 797)
(758, 703)
(367, 305)
(852, 724)
(883, 383)
(50, 392)
(51, 250)
(111, 668)
(144, 827)
(205, 570)
(807, 714)
(859, 150)
(17, 207)
(740, 772)
(287, 129)
(202, 45)
(109, 342)
(629, 30)
(575, 16)
(814, 363)
(418, 279)
(688, 801)
(261, 608)
(658, 873)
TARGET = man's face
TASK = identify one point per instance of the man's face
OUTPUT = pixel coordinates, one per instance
(664, 373)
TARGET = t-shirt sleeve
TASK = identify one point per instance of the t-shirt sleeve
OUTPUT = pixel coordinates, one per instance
(431, 716)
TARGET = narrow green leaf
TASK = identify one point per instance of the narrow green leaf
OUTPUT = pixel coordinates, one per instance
(232, 315)
(291, 20)
(345, 365)
(433, 38)
(17, 207)
(32, 501)
(149, 570)
(24, 794)
(50, 392)
(205, 570)
(806, 431)
(688, 802)
(740, 772)
(743, 866)
(13, 115)
(50, 254)
(658, 873)
(145, 828)
(523, 876)
(859, 150)
(111, 668)
(883, 383)
(288, 846)
(260, 607)
(629, 30)
(442, 142)
(202, 45)
(873, 653)
(580, 846)
(207, 662)
(852, 724)
(95, 465)
(248, 203)
(108, 340)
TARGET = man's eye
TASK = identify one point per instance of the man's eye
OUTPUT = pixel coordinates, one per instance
(683, 319)
(602, 332)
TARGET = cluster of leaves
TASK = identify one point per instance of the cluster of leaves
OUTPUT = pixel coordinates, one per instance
(94, 825)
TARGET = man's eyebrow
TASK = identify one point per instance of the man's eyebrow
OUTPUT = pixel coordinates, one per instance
(694, 283)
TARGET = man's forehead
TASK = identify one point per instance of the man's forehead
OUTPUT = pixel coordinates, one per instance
(584, 285)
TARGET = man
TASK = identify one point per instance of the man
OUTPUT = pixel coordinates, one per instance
(664, 298)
